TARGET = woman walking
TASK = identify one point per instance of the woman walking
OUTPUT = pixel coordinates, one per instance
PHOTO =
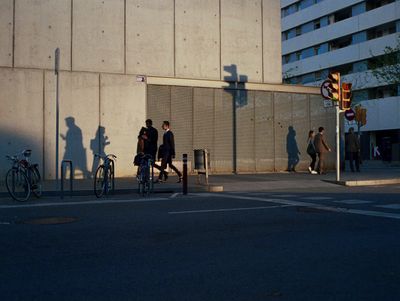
(311, 152)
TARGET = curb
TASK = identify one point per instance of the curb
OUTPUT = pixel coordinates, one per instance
(356, 183)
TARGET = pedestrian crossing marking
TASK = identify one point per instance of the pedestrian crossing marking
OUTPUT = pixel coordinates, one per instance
(390, 206)
(353, 202)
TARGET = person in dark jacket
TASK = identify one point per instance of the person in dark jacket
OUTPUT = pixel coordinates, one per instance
(353, 149)
(168, 153)
(150, 139)
(321, 147)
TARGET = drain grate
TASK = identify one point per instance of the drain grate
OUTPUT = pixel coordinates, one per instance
(50, 220)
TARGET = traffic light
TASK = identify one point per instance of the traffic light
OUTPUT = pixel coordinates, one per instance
(345, 101)
(363, 116)
(334, 86)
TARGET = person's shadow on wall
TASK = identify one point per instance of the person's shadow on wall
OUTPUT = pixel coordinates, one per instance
(74, 149)
(97, 145)
(292, 149)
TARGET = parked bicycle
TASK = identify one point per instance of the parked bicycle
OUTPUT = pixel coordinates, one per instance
(23, 177)
(145, 174)
(104, 177)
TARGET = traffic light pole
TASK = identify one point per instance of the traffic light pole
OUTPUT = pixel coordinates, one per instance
(337, 143)
(338, 131)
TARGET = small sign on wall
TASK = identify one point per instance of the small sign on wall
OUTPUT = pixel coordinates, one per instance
(140, 78)
(328, 103)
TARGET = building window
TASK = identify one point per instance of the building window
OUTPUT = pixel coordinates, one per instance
(317, 50)
(318, 75)
(298, 56)
(317, 24)
(298, 31)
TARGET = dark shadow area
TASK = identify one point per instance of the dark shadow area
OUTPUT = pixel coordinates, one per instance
(97, 145)
(237, 90)
(292, 149)
(13, 143)
(74, 149)
(236, 85)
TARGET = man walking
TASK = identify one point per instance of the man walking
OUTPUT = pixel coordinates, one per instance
(150, 140)
(353, 149)
(168, 153)
(321, 147)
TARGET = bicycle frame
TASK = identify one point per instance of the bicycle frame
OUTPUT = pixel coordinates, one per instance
(109, 173)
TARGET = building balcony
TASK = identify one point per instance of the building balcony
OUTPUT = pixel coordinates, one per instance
(341, 56)
(370, 19)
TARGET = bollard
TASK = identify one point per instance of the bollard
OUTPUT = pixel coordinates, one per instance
(71, 177)
(184, 179)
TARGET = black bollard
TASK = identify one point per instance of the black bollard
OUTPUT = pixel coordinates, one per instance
(184, 180)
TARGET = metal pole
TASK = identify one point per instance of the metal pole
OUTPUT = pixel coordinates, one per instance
(57, 65)
(184, 180)
(337, 143)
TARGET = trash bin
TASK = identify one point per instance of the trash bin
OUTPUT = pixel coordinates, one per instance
(199, 160)
(202, 163)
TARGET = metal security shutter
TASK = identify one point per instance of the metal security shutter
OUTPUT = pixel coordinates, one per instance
(283, 120)
(301, 124)
(245, 132)
(223, 132)
(203, 121)
(182, 122)
(158, 106)
(264, 132)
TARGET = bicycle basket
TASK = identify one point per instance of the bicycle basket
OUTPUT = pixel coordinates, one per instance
(27, 153)
(137, 159)
(24, 163)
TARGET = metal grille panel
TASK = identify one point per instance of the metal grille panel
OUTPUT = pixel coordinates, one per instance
(245, 132)
(264, 131)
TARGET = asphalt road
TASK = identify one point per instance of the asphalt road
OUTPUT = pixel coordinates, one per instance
(319, 244)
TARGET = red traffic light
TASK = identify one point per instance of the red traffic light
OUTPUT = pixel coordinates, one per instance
(345, 103)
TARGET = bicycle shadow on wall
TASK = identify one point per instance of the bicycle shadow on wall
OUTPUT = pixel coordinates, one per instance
(97, 145)
(74, 149)
(292, 149)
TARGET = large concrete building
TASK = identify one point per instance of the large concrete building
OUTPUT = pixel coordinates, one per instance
(211, 67)
(322, 36)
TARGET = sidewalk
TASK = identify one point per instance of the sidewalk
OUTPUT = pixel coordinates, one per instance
(239, 182)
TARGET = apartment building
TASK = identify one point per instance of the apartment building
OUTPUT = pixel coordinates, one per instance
(323, 36)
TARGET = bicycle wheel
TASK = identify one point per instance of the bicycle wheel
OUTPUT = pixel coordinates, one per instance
(99, 181)
(17, 184)
(36, 181)
(146, 181)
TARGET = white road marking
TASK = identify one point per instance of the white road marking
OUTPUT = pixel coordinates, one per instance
(317, 198)
(390, 206)
(101, 202)
(353, 202)
(284, 195)
(174, 195)
(315, 206)
(227, 209)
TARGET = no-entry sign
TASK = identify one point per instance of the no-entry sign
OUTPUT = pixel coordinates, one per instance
(350, 115)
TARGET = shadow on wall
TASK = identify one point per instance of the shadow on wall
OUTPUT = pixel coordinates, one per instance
(74, 149)
(236, 85)
(97, 145)
(13, 143)
(292, 149)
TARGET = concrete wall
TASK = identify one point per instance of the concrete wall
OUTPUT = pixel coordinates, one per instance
(181, 38)
(262, 131)
(41, 27)
(21, 114)
(6, 32)
(104, 45)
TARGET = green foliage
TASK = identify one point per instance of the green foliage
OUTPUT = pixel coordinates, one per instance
(386, 68)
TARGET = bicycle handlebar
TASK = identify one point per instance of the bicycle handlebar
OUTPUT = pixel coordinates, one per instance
(112, 156)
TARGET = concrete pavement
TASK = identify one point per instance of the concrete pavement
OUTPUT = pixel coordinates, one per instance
(372, 174)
